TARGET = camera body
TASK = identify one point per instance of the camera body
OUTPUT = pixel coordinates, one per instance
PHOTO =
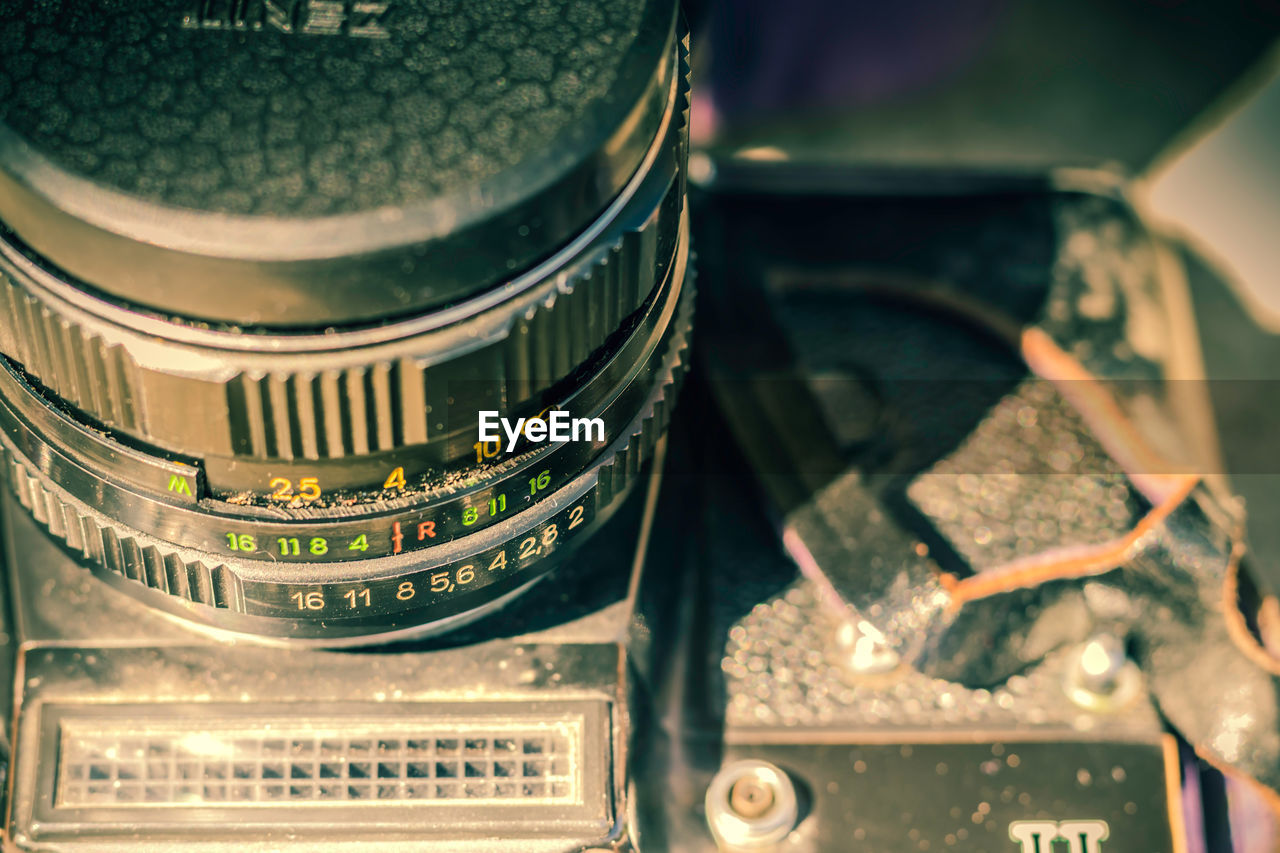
(189, 741)
(935, 552)
(682, 648)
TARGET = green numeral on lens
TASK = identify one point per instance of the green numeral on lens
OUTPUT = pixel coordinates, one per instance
(288, 547)
(540, 482)
(318, 545)
(360, 543)
(241, 542)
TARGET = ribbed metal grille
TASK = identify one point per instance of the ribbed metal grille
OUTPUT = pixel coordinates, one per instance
(238, 763)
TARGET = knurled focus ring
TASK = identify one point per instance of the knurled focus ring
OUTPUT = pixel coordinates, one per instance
(196, 401)
(337, 400)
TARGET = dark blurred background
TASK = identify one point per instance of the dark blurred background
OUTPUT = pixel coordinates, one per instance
(1179, 97)
(995, 83)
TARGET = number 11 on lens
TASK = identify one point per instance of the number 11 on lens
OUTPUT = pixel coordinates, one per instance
(357, 596)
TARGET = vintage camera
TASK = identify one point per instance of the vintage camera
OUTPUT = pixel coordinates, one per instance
(931, 556)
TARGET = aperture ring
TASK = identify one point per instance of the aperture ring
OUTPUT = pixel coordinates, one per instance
(225, 584)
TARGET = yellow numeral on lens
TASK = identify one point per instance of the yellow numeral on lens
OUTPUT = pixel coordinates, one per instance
(308, 489)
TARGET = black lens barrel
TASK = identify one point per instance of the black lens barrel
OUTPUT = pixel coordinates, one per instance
(261, 269)
(258, 163)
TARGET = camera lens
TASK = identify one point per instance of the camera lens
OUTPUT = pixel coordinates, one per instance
(263, 264)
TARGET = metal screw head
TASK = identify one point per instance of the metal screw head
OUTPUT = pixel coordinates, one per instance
(863, 649)
(750, 797)
(751, 804)
(1101, 676)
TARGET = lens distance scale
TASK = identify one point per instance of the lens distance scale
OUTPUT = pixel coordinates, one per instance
(434, 560)
(99, 472)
